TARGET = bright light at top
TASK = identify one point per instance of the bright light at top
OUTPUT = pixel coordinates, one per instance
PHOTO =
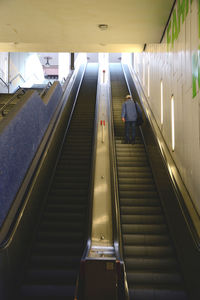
(103, 62)
(33, 70)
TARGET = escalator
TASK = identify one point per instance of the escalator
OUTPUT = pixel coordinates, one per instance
(58, 242)
(151, 265)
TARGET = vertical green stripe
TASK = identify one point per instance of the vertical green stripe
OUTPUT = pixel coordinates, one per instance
(174, 27)
(187, 6)
(195, 72)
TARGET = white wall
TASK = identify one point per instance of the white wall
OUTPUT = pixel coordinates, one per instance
(64, 65)
(30, 68)
(177, 62)
(3, 71)
(26, 64)
(93, 57)
(115, 57)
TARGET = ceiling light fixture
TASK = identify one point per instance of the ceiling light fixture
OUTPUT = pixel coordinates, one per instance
(103, 26)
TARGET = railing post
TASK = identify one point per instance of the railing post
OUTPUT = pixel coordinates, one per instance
(72, 61)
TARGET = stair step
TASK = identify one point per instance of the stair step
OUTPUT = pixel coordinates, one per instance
(142, 219)
(169, 293)
(54, 276)
(46, 236)
(142, 202)
(154, 264)
(148, 251)
(55, 261)
(145, 239)
(144, 229)
(140, 210)
(47, 290)
(137, 194)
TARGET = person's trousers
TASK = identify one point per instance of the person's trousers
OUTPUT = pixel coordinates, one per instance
(130, 131)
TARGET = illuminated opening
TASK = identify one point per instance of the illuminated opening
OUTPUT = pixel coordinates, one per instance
(173, 123)
(103, 62)
(161, 102)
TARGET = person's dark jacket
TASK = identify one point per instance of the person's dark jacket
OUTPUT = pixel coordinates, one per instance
(129, 110)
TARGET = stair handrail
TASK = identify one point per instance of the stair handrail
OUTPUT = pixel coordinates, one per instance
(6, 84)
(43, 93)
(18, 93)
(15, 77)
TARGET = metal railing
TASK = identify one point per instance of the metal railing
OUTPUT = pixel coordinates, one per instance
(44, 91)
(19, 92)
(15, 77)
(6, 84)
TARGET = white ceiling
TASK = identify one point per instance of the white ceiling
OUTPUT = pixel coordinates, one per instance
(72, 25)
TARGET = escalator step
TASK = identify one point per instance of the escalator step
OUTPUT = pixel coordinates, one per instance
(55, 261)
(49, 248)
(133, 174)
(70, 237)
(146, 239)
(52, 291)
(61, 185)
(148, 251)
(144, 229)
(59, 276)
(70, 199)
(62, 225)
(141, 210)
(148, 201)
(156, 264)
(142, 219)
(155, 279)
(138, 194)
(63, 216)
(155, 294)
(134, 169)
(135, 180)
(69, 192)
(65, 207)
(136, 187)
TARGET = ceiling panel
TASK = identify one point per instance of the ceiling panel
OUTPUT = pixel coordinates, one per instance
(72, 25)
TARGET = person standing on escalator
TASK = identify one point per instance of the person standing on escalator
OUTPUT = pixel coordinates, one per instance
(129, 117)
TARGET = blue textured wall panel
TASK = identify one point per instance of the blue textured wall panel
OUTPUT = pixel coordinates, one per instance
(19, 141)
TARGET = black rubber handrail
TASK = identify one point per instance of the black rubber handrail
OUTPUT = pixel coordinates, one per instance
(6, 84)
(115, 199)
(18, 93)
(91, 181)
